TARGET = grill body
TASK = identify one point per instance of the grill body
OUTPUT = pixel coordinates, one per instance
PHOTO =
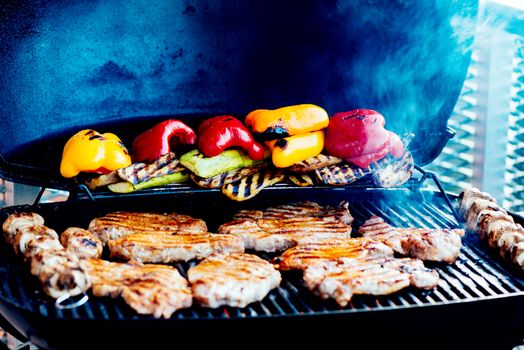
(479, 299)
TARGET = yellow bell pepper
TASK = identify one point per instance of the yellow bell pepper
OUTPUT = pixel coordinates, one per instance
(293, 149)
(91, 151)
(287, 121)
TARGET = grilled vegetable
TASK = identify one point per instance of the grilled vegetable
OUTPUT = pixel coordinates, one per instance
(250, 186)
(102, 180)
(302, 180)
(217, 134)
(225, 178)
(90, 151)
(340, 175)
(290, 150)
(141, 172)
(203, 166)
(287, 121)
(394, 172)
(160, 140)
(314, 163)
(360, 138)
(127, 187)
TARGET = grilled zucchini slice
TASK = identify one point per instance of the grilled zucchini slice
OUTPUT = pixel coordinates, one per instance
(225, 178)
(251, 185)
(340, 175)
(314, 163)
(302, 180)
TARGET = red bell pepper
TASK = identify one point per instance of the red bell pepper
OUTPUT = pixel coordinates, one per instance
(360, 138)
(161, 139)
(217, 134)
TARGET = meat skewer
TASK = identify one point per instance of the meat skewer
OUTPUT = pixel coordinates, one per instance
(493, 224)
(82, 243)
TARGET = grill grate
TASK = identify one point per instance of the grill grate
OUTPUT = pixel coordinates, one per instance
(475, 276)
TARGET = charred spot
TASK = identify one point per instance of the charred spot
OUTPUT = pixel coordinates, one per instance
(273, 133)
(89, 132)
(96, 137)
(228, 119)
(88, 243)
(282, 143)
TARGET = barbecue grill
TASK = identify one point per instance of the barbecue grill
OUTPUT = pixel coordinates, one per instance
(101, 64)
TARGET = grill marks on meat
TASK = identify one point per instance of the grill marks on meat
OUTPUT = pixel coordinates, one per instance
(156, 290)
(376, 276)
(235, 280)
(172, 248)
(17, 221)
(272, 235)
(313, 253)
(82, 243)
(282, 227)
(118, 224)
(426, 244)
(493, 224)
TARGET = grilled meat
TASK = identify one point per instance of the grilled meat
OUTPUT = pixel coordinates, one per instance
(314, 163)
(251, 185)
(119, 224)
(282, 227)
(82, 243)
(156, 290)
(309, 254)
(232, 279)
(380, 275)
(26, 234)
(468, 196)
(273, 235)
(171, 248)
(493, 224)
(17, 221)
(65, 279)
(426, 244)
(299, 210)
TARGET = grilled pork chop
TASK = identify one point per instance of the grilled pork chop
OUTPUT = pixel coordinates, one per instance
(375, 275)
(283, 227)
(119, 224)
(156, 290)
(232, 279)
(299, 210)
(423, 243)
(308, 254)
(171, 248)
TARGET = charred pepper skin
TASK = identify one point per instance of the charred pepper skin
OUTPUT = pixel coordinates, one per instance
(287, 121)
(160, 139)
(222, 132)
(90, 151)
